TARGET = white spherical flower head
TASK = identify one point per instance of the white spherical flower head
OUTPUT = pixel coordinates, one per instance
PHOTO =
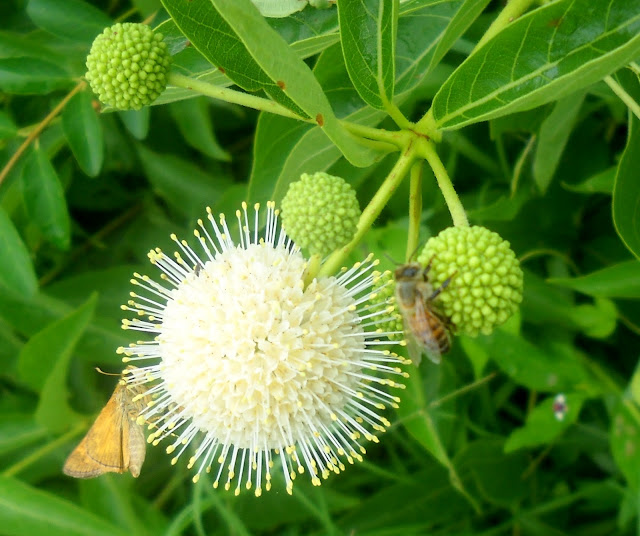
(252, 366)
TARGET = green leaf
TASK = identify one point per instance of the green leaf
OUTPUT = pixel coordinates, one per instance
(136, 122)
(71, 19)
(424, 502)
(29, 316)
(45, 201)
(7, 127)
(368, 36)
(282, 152)
(54, 343)
(545, 55)
(17, 275)
(426, 32)
(417, 419)
(279, 8)
(553, 137)
(541, 370)
(291, 74)
(83, 131)
(194, 123)
(31, 76)
(182, 184)
(19, 431)
(625, 442)
(497, 476)
(602, 183)
(626, 191)
(618, 281)
(199, 21)
(542, 426)
(53, 411)
(244, 39)
(25, 511)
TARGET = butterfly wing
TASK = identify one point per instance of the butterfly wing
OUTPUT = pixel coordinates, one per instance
(100, 451)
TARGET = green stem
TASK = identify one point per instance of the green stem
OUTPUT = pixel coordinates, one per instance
(397, 139)
(624, 96)
(427, 150)
(510, 12)
(415, 210)
(234, 97)
(312, 268)
(395, 114)
(44, 450)
(373, 209)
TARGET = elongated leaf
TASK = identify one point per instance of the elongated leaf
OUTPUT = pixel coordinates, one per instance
(53, 411)
(83, 131)
(17, 275)
(55, 342)
(626, 192)
(45, 201)
(426, 32)
(547, 54)
(498, 477)
(368, 37)
(421, 36)
(553, 137)
(31, 76)
(625, 442)
(618, 281)
(542, 426)
(18, 431)
(417, 419)
(291, 74)
(195, 126)
(136, 122)
(602, 182)
(25, 511)
(279, 8)
(535, 368)
(71, 19)
(182, 184)
(7, 127)
(210, 33)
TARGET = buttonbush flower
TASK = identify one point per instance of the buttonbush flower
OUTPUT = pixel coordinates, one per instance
(128, 66)
(249, 369)
(486, 278)
(320, 212)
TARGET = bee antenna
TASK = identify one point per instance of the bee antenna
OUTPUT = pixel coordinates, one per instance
(391, 259)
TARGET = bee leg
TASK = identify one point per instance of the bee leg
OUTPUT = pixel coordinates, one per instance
(444, 285)
(427, 268)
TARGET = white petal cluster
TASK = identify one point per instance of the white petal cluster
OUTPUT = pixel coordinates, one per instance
(250, 368)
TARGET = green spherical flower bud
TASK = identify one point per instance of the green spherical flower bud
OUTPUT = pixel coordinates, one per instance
(320, 212)
(384, 295)
(486, 279)
(128, 66)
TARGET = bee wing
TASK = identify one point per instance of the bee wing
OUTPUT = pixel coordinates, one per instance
(428, 344)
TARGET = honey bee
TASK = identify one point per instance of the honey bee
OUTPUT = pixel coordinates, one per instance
(427, 330)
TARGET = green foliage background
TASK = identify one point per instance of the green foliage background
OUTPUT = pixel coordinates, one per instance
(548, 157)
